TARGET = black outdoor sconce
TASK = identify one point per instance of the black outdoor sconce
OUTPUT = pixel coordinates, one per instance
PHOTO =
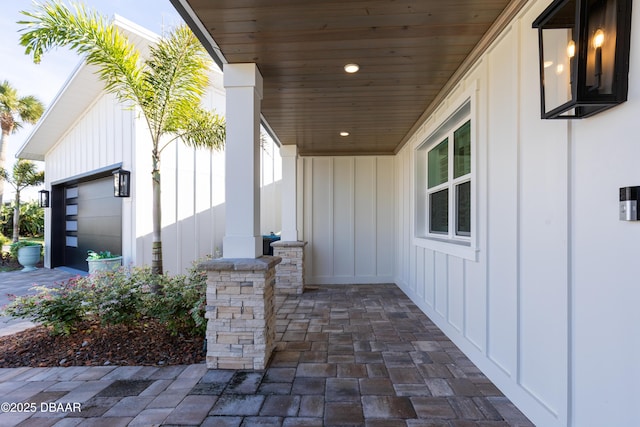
(44, 198)
(121, 183)
(584, 56)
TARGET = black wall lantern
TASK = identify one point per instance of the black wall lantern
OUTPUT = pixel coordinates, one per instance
(584, 56)
(44, 198)
(121, 183)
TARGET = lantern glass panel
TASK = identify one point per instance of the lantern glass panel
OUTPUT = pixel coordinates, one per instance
(601, 51)
(121, 183)
(44, 198)
(116, 184)
(557, 66)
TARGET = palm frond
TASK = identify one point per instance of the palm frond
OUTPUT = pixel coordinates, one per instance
(24, 174)
(200, 128)
(89, 33)
(30, 109)
(177, 70)
(8, 98)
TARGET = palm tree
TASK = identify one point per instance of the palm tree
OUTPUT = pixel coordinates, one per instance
(25, 174)
(13, 111)
(167, 86)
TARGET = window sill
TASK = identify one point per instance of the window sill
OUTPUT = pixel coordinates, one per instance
(447, 246)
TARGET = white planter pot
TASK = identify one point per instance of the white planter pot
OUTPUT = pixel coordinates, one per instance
(104, 264)
(29, 256)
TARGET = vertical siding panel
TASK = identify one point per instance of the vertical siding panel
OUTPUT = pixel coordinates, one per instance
(420, 279)
(203, 227)
(308, 214)
(406, 213)
(386, 205)
(365, 216)
(103, 139)
(398, 238)
(503, 208)
(185, 195)
(322, 219)
(343, 213)
(544, 267)
(475, 327)
(412, 269)
(430, 278)
(112, 142)
(170, 202)
(441, 283)
(456, 293)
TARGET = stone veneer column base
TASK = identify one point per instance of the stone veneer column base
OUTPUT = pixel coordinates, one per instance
(241, 312)
(290, 272)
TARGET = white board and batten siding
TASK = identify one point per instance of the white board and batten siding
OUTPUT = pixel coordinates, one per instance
(101, 137)
(348, 218)
(547, 306)
(193, 226)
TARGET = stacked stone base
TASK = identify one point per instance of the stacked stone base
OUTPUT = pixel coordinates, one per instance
(290, 272)
(240, 312)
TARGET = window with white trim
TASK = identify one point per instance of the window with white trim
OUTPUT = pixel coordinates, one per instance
(449, 184)
(445, 185)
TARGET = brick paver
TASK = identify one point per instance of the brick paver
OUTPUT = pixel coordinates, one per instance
(360, 355)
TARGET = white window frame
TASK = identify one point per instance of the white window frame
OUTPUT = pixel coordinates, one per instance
(451, 185)
(460, 245)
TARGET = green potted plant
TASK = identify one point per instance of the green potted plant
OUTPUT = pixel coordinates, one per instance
(27, 253)
(103, 261)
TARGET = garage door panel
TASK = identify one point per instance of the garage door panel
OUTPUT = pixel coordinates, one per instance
(93, 221)
(99, 208)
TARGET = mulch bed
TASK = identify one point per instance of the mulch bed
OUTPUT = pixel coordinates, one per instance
(147, 343)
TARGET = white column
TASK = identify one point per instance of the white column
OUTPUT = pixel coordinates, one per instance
(289, 154)
(243, 84)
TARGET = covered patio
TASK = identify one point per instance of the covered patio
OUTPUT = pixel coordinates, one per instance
(430, 168)
(358, 355)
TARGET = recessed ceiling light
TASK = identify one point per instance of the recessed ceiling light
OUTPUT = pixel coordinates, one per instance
(351, 68)
(344, 133)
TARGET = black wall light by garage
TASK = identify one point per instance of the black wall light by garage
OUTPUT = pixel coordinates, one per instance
(584, 56)
(44, 198)
(121, 183)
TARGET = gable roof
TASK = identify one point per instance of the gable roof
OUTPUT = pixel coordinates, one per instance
(78, 93)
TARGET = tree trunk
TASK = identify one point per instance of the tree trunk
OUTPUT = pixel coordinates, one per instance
(156, 247)
(4, 142)
(16, 218)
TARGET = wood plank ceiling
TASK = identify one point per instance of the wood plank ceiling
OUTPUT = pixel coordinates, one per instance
(407, 51)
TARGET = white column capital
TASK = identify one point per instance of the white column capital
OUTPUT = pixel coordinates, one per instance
(289, 151)
(243, 75)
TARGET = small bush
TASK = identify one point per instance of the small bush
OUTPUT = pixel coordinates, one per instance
(117, 296)
(123, 296)
(61, 307)
(181, 302)
(31, 219)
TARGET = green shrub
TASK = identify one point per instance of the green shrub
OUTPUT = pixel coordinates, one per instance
(31, 219)
(181, 302)
(117, 296)
(123, 296)
(61, 307)
(4, 240)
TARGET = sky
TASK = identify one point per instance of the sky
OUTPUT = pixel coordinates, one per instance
(45, 80)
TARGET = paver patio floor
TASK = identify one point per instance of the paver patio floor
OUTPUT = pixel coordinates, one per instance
(351, 355)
